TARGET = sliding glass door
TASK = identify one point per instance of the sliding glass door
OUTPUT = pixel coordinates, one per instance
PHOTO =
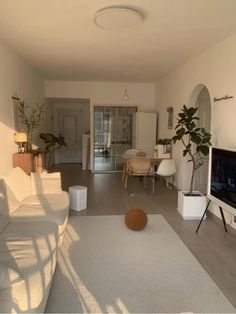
(112, 136)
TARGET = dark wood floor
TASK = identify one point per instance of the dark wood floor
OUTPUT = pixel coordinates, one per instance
(212, 246)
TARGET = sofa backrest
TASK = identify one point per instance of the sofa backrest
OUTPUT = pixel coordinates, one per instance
(19, 183)
(46, 183)
(8, 201)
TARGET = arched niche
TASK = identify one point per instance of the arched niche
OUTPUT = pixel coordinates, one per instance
(200, 97)
(195, 94)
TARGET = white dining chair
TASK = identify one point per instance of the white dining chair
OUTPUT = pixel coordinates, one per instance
(130, 152)
(167, 169)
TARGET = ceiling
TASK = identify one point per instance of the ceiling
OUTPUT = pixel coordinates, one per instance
(60, 40)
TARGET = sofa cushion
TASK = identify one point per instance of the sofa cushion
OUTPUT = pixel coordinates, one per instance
(31, 250)
(46, 183)
(55, 201)
(42, 212)
(8, 276)
(19, 183)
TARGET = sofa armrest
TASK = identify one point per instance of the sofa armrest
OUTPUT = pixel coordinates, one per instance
(46, 183)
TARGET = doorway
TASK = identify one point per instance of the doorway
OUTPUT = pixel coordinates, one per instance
(71, 119)
(112, 136)
(70, 126)
(203, 102)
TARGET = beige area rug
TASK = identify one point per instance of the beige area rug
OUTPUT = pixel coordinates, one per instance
(104, 267)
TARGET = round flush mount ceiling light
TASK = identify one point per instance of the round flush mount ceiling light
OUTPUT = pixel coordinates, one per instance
(117, 18)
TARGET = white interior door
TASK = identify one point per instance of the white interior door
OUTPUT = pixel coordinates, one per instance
(204, 113)
(70, 126)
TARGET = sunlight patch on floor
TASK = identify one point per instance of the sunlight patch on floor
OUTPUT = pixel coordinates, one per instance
(70, 231)
(88, 302)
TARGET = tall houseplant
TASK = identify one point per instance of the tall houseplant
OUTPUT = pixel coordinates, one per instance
(30, 117)
(196, 141)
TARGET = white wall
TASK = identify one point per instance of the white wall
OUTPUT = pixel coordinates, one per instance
(216, 69)
(141, 95)
(16, 78)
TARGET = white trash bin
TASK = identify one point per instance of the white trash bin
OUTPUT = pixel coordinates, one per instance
(78, 197)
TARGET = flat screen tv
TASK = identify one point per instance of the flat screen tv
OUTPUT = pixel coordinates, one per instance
(222, 178)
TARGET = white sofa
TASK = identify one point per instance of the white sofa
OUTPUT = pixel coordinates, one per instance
(33, 217)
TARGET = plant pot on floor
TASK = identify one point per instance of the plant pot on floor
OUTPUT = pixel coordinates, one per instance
(191, 207)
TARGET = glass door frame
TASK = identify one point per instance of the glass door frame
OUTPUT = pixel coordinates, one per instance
(115, 147)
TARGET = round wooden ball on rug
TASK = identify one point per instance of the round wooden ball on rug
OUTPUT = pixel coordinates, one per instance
(136, 219)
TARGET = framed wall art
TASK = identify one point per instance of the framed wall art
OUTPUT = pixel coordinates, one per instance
(170, 111)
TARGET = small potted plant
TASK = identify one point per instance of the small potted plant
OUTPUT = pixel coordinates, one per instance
(164, 147)
(196, 142)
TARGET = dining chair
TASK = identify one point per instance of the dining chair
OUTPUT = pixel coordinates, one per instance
(140, 167)
(129, 152)
(166, 170)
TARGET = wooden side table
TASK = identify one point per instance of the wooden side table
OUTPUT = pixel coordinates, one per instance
(25, 161)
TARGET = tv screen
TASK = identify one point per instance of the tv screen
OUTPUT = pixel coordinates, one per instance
(223, 178)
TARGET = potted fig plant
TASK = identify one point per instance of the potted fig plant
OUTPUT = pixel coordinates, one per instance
(196, 142)
(52, 143)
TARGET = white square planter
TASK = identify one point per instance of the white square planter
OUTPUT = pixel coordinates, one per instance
(191, 207)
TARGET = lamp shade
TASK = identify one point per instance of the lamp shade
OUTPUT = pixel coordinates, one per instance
(20, 137)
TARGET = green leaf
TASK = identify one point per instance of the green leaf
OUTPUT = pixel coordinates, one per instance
(196, 139)
(178, 125)
(205, 140)
(185, 152)
(180, 132)
(192, 134)
(193, 125)
(204, 150)
(192, 111)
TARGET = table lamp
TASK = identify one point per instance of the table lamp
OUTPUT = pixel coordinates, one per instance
(20, 138)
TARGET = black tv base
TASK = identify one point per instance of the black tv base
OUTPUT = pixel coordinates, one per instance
(222, 216)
